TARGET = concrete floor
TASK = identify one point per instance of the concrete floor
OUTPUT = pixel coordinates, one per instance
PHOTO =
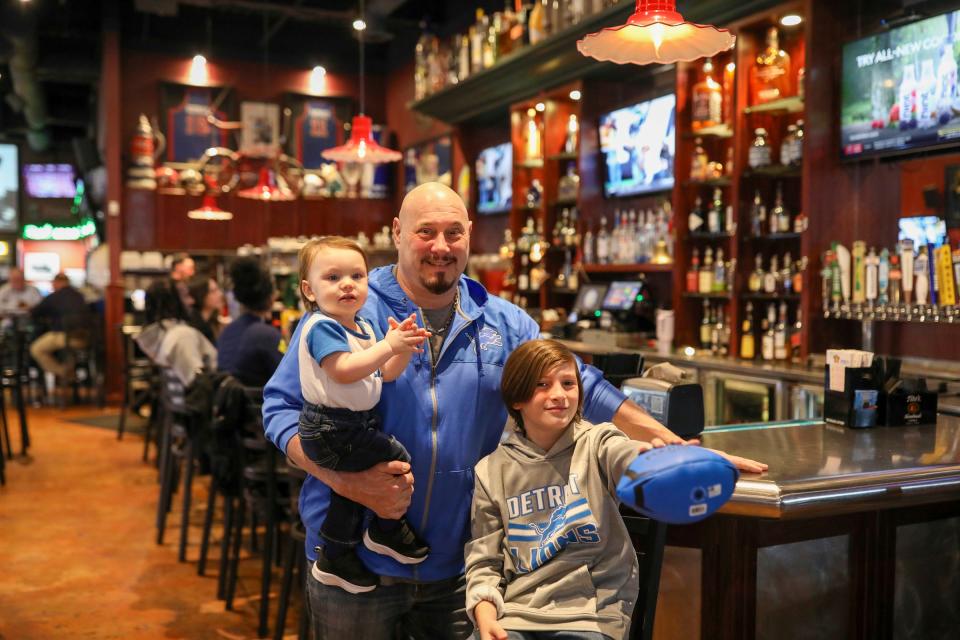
(78, 557)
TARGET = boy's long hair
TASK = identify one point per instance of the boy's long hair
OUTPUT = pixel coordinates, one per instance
(526, 365)
(312, 249)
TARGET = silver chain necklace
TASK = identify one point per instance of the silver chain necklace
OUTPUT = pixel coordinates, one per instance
(446, 325)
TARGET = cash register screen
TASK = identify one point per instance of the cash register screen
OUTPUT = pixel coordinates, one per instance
(621, 296)
(589, 298)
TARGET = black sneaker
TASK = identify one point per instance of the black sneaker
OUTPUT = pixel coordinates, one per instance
(345, 571)
(401, 544)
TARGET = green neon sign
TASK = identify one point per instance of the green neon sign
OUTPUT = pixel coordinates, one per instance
(50, 232)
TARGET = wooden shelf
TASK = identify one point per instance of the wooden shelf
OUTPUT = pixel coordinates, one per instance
(774, 171)
(774, 237)
(710, 236)
(713, 182)
(530, 164)
(565, 203)
(647, 267)
(715, 295)
(564, 290)
(772, 297)
(793, 104)
(563, 156)
(718, 131)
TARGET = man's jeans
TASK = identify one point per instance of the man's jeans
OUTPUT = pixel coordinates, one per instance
(426, 611)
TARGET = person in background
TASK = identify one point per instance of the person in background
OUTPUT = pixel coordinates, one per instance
(16, 296)
(64, 320)
(182, 268)
(207, 297)
(249, 347)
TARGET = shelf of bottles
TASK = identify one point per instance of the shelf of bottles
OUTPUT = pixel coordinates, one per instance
(439, 64)
(902, 284)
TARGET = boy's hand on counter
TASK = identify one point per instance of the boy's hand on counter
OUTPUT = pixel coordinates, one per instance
(743, 464)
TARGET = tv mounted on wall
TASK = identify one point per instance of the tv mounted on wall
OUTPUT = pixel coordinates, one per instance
(638, 145)
(50, 180)
(495, 179)
(899, 89)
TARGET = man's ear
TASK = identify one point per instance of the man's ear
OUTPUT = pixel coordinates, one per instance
(396, 232)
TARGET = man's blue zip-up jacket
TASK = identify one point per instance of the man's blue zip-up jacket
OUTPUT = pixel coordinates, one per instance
(448, 418)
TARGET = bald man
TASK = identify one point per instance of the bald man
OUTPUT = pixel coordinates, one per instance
(16, 296)
(447, 411)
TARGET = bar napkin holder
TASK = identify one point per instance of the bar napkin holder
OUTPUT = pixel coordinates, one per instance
(858, 404)
(877, 395)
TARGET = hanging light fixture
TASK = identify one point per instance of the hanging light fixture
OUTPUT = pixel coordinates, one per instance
(656, 32)
(209, 210)
(361, 147)
(267, 188)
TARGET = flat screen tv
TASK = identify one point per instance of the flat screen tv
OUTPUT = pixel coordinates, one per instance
(923, 230)
(49, 180)
(495, 179)
(638, 146)
(899, 89)
(9, 188)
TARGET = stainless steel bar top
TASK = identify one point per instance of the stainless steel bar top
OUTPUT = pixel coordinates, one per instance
(819, 469)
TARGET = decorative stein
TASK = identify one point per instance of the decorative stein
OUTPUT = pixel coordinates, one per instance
(145, 147)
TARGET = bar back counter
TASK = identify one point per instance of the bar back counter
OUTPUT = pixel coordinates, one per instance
(852, 533)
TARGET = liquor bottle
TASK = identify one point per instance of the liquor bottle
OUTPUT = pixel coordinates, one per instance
(780, 334)
(770, 75)
(781, 213)
(507, 247)
(796, 154)
(724, 336)
(786, 274)
(706, 326)
(767, 342)
(693, 273)
(490, 41)
(696, 218)
(533, 137)
(719, 273)
(706, 272)
(571, 142)
(747, 341)
(627, 238)
(539, 22)
(463, 58)
(758, 215)
(420, 67)
(699, 161)
(759, 154)
(729, 72)
(787, 145)
(715, 215)
(799, 268)
(603, 243)
(707, 108)
(800, 222)
(589, 251)
(716, 333)
(796, 339)
(771, 277)
(755, 282)
(504, 28)
(477, 35)
(523, 278)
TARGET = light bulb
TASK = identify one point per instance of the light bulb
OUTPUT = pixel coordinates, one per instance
(541, 107)
(198, 70)
(575, 94)
(359, 25)
(791, 20)
(656, 33)
(318, 79)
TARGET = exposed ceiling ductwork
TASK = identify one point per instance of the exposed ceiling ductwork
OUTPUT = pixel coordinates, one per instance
(27, 96)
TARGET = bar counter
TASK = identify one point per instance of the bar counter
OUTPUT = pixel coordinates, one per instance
(852, 533)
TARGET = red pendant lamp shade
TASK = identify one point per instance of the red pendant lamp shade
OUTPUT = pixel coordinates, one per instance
(267, 188)
(209, 210)
(362, 147)
(656, 32)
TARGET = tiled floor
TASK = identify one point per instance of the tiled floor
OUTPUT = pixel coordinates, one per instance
(78, 557)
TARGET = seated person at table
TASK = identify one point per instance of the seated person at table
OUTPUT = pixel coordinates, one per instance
(249, 347)
(16, 296)
(206, 298)
(65, 319)
(550, 555)
(169, 340)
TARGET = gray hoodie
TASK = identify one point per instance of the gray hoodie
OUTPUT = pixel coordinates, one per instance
(549, 547)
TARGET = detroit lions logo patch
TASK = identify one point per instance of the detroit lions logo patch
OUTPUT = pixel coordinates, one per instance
(489, 339)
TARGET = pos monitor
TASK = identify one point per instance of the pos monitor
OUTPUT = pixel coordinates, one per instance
(621, 296)
(589, 298)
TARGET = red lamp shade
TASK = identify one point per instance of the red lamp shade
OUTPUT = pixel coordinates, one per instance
(209, 211)
(267, 188)
(656, 32)
(362, 147)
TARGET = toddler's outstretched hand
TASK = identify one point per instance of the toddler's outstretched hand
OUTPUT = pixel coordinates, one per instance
(406, 336)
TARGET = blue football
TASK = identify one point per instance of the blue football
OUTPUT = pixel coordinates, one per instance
(677, 484)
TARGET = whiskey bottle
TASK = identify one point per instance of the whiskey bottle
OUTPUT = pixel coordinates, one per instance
(603, 243)
(771, 277)
(523, 278)
(533, 139)
(707, 108)
(706, 326)
(715, 215)
(699, 162)
(695, 219)
(786, 274)
(589, 251)
(693, 273)
(767, 341)
(759, 154)
(758, 215)
(719, 273)
(770, 75)
(477, 35)
(755, 281)
(796, 339)
(781, 213)
(780, 334)
(747, 340)
(706, 272)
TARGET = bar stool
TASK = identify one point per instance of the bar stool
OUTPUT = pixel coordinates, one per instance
(12, 373)
(648, 537)
(295, 558)
(138, 373)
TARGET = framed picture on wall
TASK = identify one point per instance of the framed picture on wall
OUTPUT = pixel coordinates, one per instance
(315, 124)
(260, 133)
(430, 161)
(9, 188)
(184, 122)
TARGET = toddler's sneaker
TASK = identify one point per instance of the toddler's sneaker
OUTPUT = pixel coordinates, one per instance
(401, 544)
(345, 571)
